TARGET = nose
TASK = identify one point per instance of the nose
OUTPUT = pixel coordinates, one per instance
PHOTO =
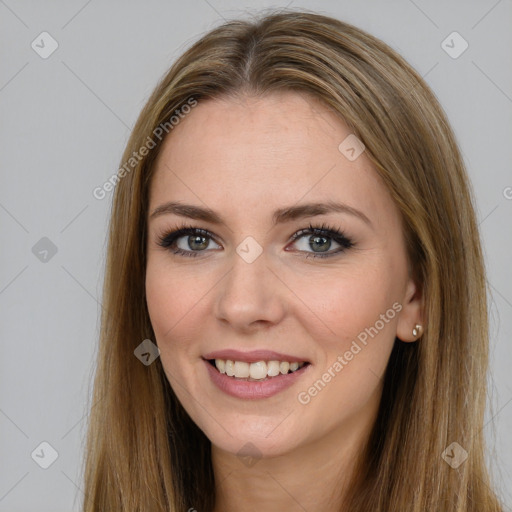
(250, 295)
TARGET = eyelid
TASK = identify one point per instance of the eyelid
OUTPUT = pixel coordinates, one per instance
(168, 237)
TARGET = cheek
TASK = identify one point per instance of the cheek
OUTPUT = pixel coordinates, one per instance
(174, 301)
(347, 302)
(359, 312)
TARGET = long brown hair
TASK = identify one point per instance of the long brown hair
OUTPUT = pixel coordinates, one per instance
(143, 451)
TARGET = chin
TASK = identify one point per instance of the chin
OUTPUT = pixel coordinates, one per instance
(261, 438)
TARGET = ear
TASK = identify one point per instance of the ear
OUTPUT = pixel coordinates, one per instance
(411, 313)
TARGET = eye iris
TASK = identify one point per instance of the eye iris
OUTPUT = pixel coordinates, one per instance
(314, 239)
(193, 239)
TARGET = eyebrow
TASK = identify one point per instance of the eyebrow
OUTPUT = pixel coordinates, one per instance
(280, 216)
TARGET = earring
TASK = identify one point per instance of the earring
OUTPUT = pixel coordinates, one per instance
(418, 329)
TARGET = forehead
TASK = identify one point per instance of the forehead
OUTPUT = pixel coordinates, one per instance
(248, 155)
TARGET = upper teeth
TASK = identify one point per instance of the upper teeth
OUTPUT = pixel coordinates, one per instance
(259, 370)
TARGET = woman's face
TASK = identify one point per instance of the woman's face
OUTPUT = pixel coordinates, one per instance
(245, 170)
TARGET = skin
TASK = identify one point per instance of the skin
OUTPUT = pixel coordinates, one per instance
(244, 158)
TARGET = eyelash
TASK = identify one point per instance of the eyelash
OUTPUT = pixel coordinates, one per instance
(167, 239)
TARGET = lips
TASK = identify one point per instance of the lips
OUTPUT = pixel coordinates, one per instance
(240, 374)
(249, 389)
(253, 356)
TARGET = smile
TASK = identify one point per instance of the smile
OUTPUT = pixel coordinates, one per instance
(257, 371)
(249, 388)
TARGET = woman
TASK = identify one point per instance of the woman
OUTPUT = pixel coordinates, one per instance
(294, 229)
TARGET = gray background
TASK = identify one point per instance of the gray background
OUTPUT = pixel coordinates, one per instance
(64, 123)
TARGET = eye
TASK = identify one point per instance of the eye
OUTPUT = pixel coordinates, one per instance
(195, 240)
(190, 241)
(320, 239)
